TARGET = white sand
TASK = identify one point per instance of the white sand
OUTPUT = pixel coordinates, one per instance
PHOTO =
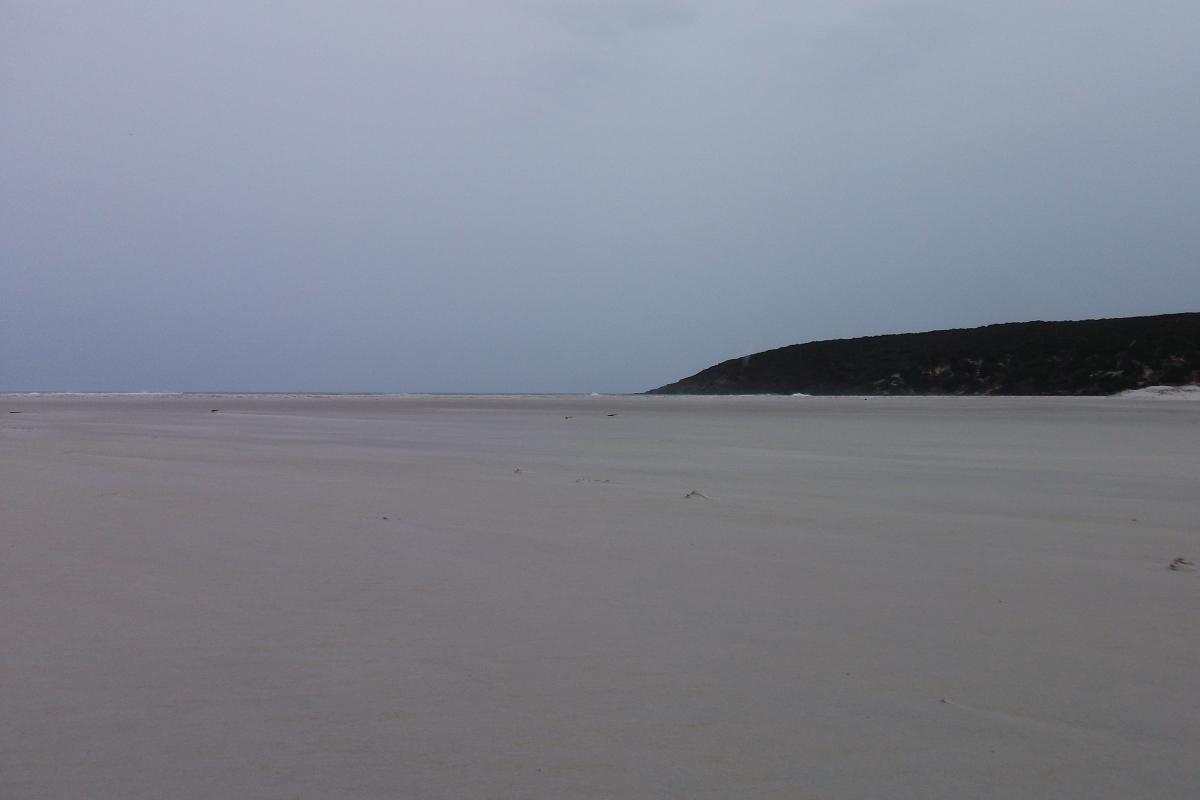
(886, 598)
(1188, 392)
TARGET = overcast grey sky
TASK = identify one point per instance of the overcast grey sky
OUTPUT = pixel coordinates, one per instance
(573, 195)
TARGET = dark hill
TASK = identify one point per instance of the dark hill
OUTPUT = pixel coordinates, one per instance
(1088, 357)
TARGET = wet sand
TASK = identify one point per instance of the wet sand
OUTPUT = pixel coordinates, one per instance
(481, 598)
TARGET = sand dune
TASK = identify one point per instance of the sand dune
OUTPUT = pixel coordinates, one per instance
(642, 597)
(1190, 392)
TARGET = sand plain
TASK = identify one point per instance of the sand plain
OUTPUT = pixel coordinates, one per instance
(488, 597)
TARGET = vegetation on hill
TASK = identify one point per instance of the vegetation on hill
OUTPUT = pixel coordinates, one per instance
(1088, 357)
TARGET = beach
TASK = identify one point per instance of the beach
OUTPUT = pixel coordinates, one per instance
(794, 598)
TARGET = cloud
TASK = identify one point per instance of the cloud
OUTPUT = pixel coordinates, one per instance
(613, 19)
(597, 48)
(885, 42)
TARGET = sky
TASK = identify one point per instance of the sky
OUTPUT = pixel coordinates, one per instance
(573, 195)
